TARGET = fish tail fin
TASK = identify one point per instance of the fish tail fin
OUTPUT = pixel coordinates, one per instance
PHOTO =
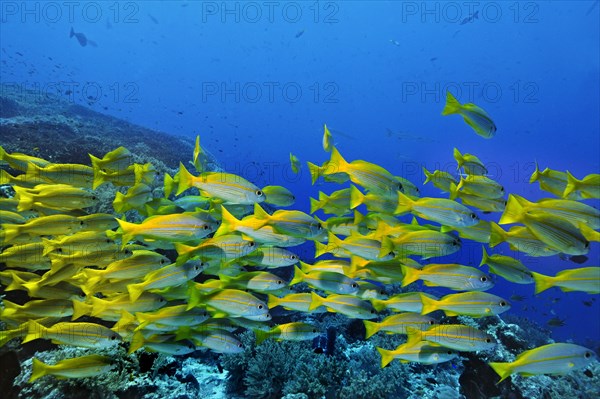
(428, 175)
(137, 341)
(410, 275)
(589, 233)
(405, 204)
(98, 306)
(315, 172)
(3, 154)
(25, 198)
(387, 247)
(504, 370)
(572, 185)
(298, 276)
(452, 105)
(315, 205)
(168, 185)
(315, 301)
(129, 230)
(17, 283)
(356, 197)
(536, 174)
(378, 304)
(513, 212)
(186, 179)
(458, 157)
(10, 231)
(261, 215)
(273, 301)
(484, 257)
(5, 177)
(32, 287)
(414, 335)
(228, 223)
(34, 331)
(196, 158)
(38, 368)
(320, 249)
(542, 282)
(371, 328)
(497, 234)
(386, 356)
(135, 291)
(120, 204)
(429, 304)
(99, 178)
(80, 309)
(96, 162)
(260, 336)
(336, 163)
(453, 191)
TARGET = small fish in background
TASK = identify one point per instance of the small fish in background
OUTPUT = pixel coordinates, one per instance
(470, 18)
(556, 322)
(153, 19)
(517, 297)
(300, 33)
(395, 42)
(473, 115)
(82, 39)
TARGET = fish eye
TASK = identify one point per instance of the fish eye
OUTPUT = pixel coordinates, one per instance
(162, 261)
(456, 243)
(587, 355)
(251, 244)
(488, 340)
(392, 254)
(431, 322)
(108, 241)
(279, 282)
(240, 345)
(260, 307)
(81, 222)
(502, 303)
(372, 311)
(473, 216)
(113, 337)
(449, 352)
(354, 285)
(319, 227)
(501, 189)
(259, 193)
(483, 279)
(59, 250)
(293, 257)
(505, 202)
(400, 187)
(587, 245)
(205, 227)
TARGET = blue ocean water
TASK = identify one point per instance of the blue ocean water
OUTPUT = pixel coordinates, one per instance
(257, 80)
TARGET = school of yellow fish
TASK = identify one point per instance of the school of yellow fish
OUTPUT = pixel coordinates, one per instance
(73, 264)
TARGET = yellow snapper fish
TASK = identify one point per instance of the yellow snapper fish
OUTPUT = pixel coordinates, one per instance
(46, 225)
(278, 196)
(509, 268)
(481, 232)
(473, 115)
(520, 239)
(200, 159)
(295, 163)
(135, 198)
(327, 281)
(168, 276)
(588, 187)
(472, 303)
(373, 201)
(356, 245)
(69, 174)
(586, 279)
(295, 331)
(229, 303)
(299, 302)
(337, 203)
(425, 243)
(558, 358)
(553, 181)
(453, 276)
(423, 352)
(129, 176)
(370, 176)
(348, 305)
(571, 211)
(77, 241)
(439, 179)
(115, 160)
(294, 223)
(480, 186)
(440, 210)
(55, 196)
(37, 308)
(470, 163)
(187, 226)
(327, 139)
(227, 187)
(86, 335)
(454, 336)
(551, 230)
(406, 302)
(79, 367)
(20, 161)
(223, 248)
(254, 281)
(270, 257)
(398, 323)
(218, 341)
(486, 205)
(22, 180)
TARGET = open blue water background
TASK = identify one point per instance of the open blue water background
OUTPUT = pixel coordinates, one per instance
(257, 80)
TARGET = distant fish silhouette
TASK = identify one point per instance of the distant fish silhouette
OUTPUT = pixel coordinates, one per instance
(470, 18)
(153, 19)
(299, 33)
(83, 41)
